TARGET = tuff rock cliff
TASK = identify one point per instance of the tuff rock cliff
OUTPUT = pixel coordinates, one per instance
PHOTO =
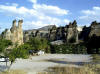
(15, 33)
(95, 29)
(88, 32)
(69, 33)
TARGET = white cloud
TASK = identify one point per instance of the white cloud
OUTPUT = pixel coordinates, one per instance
(66, 21)
(33, 1)
(91, 15)
(48, 9)
(13, 9)
(88, 12)
(14, 4)
(41, 14)
(37, 10)
(42, 23)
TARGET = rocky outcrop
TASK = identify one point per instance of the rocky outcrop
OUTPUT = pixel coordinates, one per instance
(41, 32)
(68, 33)
(52, 33)
(84, 34)
(88, 32)
(95, 29)
(72, 32)
(15, 34)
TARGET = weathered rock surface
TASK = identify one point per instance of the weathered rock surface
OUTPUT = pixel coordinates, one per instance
(55, 33)
(88, 32)
(15, 34)
(69, 33)
(95, 29)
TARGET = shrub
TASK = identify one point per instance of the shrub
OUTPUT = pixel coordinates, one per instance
(4, 44)
(20, 52)
(68, 49)
(39, 44)
(80, 49)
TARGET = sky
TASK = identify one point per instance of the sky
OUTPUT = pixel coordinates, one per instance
(39, 13)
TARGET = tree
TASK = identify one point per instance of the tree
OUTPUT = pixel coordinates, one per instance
(38, 43)
(21, 51)
(4, 44)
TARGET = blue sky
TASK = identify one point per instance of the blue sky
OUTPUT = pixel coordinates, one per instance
(39, 13)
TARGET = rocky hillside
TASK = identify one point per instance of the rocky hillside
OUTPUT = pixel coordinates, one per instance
(53, 33)
(46, 28)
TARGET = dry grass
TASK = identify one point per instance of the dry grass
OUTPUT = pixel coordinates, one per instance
(14, 72)
(96, 57)
(86, 69)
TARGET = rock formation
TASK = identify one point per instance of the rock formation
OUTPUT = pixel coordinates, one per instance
(88, 32)
(52, 33)
(69, 33)
(15, 34)
(95, 29)
(72, 32)
(41, 32)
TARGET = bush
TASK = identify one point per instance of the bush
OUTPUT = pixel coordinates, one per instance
(34, 44)
(4, 44)
(80, 49)
(39, 44)
(20, 52)
(63, 49)
(68, 49)
(93, 44)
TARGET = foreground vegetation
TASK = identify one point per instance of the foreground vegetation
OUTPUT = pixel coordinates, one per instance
(35, 44)
(92, 68)
(14, 72)
(86, 69)
(4, 44)
(69, 49)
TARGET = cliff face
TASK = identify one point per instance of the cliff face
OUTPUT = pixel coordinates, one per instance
(69, 33)
(72, 32)
(88, 32)
(15, 34)
(95, 29)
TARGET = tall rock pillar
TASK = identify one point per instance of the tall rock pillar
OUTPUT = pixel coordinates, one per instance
(20, 32)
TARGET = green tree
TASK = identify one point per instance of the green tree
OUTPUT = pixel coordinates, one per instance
(69, 49)
(4, 44)
(21, 51)
(39, 43)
